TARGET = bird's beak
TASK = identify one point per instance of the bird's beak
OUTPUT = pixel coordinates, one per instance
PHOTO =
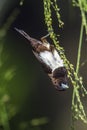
(64, 86)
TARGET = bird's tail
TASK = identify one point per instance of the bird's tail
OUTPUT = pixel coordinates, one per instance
(32, 40)
(23, 33)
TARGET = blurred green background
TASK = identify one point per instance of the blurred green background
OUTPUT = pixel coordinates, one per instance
(32, 103)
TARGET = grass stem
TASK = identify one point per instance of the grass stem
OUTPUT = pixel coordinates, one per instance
(4, 117)
(79, 49)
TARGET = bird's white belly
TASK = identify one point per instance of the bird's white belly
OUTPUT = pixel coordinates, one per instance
(53, 60)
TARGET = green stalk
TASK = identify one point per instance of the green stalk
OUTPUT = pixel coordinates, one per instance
(79, 50)
(4, 116)
(77, 71)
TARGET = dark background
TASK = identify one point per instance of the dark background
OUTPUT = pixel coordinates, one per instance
(38, 105)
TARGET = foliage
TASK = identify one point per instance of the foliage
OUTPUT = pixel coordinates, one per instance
(82, 5)
(6, 75)
(78, 111)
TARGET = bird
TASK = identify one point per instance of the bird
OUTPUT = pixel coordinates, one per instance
(50, 59)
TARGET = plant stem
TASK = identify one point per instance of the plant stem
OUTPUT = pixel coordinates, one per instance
(77, 71)
(79, 50)
(4, 117)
